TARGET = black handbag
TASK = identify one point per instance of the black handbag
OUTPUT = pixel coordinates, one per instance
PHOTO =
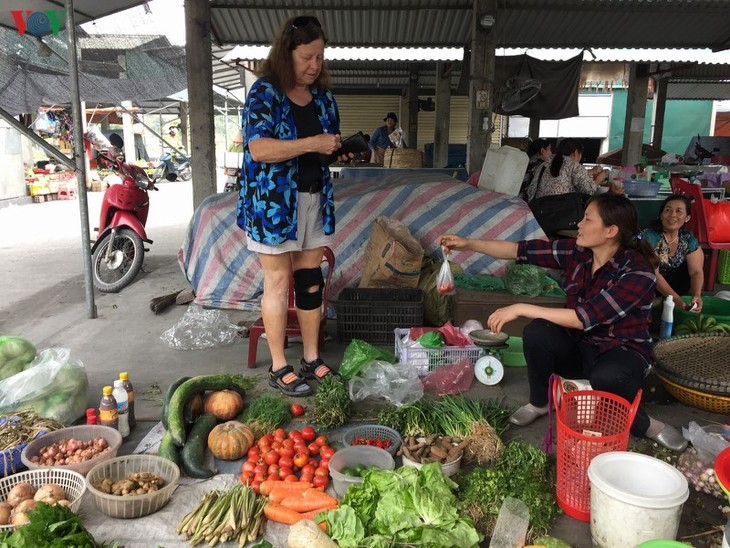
(559, 211)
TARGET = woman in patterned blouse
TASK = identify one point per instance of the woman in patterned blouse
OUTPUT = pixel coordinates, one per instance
(286, 203)
(603, 332)
(680, 256)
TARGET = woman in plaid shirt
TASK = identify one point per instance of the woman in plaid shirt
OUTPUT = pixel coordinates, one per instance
(603, 333)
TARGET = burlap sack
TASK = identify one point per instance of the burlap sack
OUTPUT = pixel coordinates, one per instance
(393, 256)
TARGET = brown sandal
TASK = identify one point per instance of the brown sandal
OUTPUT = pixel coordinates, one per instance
(287, 381)
(315, 370)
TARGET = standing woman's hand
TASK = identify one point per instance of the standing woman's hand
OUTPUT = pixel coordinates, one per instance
(327, 143)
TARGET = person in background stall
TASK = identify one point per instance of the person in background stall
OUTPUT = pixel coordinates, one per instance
(539, 151)
(563, 174)
(681, 259)
(386, 136)
(603, 333)
(236, 142)
(286, 203)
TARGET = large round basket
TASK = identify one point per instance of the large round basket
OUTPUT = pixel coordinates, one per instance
(373, 431)
(84, 432)
(138, 505)
(693, 368)
(73, 484)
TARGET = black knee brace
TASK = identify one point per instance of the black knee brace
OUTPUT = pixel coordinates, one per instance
(304, 280)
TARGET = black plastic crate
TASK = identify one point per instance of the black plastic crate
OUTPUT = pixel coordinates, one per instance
(372, 314)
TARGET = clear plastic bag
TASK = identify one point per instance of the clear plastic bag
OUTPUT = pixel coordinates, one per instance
(698, 462)
(512, 524)
(445, 282)
(200, 328)
(357, 354)
(397, 383)
(53, 385)
(450, 379)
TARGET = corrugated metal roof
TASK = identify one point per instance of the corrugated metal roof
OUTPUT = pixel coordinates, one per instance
(519, 23)
(84, 10)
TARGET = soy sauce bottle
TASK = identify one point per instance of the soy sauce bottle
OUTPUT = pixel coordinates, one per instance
(108, 409)
(130, 397)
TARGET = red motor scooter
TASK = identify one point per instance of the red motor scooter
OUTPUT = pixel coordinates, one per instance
(118, 252)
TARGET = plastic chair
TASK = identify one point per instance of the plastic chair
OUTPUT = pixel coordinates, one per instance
(292, 323)
(698, 224)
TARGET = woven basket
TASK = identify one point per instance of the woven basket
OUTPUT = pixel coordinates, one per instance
(373, 431)
(698, 362)
(403, 157)
(73, 485)
(702, 400)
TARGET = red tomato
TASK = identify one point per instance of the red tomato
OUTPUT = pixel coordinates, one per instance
(308, 433)
(277, 446)
(286, 452)
(321, 472)
(247, 478)
(313, 448)
(260, 469)
(273, 470)
(301, 459)
(308, 469)
(248, 466)
(255, 486)
(294, 434)
(301, 447)
(307, 477)
(326, 452)
(273, 477)
(288, 443)
(324, 463)
(280, 434)
(286, 462)
(297, 410)
(322, 440)
(253, 453)
(291, 478)
(271, 457)
(259, 477)
(321, 482)
(284, 472)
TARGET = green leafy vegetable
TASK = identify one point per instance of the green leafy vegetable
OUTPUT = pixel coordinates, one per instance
(401, 507)
(523, 472)
(332, 404)
(266, 413)
(15, 354)
(49, 526)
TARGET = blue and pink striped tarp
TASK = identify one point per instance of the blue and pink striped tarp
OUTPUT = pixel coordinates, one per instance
(224, 274)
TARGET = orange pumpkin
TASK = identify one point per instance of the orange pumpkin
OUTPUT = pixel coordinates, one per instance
(230, 440)
(223, 404)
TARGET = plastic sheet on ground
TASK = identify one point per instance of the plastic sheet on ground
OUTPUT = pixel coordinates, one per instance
(200, 328)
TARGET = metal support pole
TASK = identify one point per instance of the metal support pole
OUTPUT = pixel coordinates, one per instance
(79, 157)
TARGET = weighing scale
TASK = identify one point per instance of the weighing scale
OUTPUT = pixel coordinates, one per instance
(489, 369)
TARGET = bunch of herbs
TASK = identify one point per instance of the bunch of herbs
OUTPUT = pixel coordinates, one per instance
(266, 413)
(332, 404)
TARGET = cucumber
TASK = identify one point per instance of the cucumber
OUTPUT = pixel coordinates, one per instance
(168, 449)
(175, 415)
(168, 397)
(193, 453)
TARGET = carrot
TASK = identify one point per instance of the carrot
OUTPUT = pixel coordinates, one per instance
(315, 494)
(312, 514)
(277, 495)
(276, 512)
(304, 504)
(267, 486)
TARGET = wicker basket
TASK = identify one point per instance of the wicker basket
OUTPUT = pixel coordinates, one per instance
(73, 485)
(403, 157)
(373, 431)
(698, 362)
(133, 506)
(702, 400)
(84, 432)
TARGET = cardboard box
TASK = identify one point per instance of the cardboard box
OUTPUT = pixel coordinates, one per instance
(471, 304)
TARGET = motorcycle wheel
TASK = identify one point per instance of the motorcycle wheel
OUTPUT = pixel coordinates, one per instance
(185, 172)
(126, 261)
(159, 173)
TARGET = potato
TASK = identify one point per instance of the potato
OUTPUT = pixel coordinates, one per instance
(19, 493)
(50, 490)
(27, 505)
(5, 511)
(64, 502)
(19, 518)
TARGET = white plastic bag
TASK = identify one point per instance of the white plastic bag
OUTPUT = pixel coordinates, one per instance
(200, 328)
(54, 386)
(396, 382)
(445, 281)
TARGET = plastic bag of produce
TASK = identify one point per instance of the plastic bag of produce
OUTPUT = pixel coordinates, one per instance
(397, 383)
(357, 354)
(15, 354)
(524, 279)
(53, 385)
(698, 462)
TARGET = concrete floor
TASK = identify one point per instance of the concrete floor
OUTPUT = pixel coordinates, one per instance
(42, 298)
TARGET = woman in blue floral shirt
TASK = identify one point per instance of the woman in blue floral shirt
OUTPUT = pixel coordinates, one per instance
(603, 332)
(286, 203)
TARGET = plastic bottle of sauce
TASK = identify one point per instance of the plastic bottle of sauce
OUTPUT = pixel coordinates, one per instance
(91, 416)
(665, 329)
(124, 376)
(120, 394)
(108, 409)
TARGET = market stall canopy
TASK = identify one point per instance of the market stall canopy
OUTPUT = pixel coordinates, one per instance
(113, 68)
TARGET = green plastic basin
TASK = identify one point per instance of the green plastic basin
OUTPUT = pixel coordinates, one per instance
(513, 356)
(711, 306)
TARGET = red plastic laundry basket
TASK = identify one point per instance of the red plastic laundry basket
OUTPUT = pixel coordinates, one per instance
(590, 422)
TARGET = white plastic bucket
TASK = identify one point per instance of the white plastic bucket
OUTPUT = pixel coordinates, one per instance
(634, 498)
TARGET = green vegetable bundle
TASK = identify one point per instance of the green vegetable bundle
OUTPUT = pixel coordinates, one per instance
(401, 507)
(15, 354)
(522, 472)
(49, 526)
(332, 404)
(266, 413)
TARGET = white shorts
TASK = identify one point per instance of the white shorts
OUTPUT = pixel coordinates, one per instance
(310, 233)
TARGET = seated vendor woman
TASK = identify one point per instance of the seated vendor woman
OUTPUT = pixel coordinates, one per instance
(680, 255)
(603, 333)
